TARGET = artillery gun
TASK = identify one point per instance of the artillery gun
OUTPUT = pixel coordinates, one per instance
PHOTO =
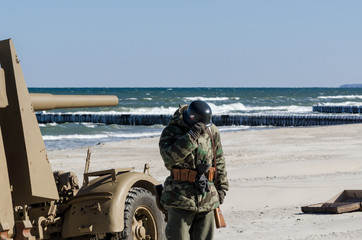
(36, 203)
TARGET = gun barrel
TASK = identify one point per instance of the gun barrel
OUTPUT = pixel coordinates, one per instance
(47, 101)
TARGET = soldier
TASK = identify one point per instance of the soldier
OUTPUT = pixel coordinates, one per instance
(191, 192)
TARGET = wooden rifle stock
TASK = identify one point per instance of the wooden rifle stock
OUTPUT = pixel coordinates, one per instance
(219, 218)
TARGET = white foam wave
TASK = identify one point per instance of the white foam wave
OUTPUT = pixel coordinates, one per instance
(227, 108)
(239, 107)
(101, 135)
(209, 98)
(341, 97)
(89, 125)
(125, 135)
(232, 128)
(216, 109)
(289, 109)
(342, 104)
(154, 110)
(125, 110)
(299, 109)
(48, 124)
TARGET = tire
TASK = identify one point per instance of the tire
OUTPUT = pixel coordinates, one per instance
(141, 206)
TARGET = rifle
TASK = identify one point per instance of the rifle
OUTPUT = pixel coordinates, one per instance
(219, 218)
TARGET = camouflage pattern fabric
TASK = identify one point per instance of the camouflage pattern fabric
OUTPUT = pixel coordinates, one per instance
(179, 150)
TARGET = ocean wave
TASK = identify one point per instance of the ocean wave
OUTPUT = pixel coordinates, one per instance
(125, 135)
(290, 109)
(240, 108)
(342, 104)
(210, 98)
(216, 109)
(101, 136)
(146, 110)
(126, 110)
(233, 128)
(89, 125)
(227, 108)
(48, 124)
(341, 97)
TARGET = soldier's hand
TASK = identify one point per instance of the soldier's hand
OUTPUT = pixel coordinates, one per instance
(197, 130)
(222, 194)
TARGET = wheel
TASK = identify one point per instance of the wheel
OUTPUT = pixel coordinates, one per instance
(142, 219)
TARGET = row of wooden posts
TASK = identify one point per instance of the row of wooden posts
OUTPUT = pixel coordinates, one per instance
(219, 120)
(337, 109)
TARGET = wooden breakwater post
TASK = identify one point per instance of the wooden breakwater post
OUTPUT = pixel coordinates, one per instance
(337, 109)
(219, 120)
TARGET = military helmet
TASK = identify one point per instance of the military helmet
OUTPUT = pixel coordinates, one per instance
(198, 111)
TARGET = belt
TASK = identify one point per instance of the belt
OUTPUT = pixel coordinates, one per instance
(189, 175)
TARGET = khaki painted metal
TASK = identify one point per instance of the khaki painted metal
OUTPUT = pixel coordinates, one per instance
(29, 170)
(6, 207)
(47, 101)
(25, 173)
(3, 97)
(99, 206)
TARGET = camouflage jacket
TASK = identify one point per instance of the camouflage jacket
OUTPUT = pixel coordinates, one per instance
(179, 150)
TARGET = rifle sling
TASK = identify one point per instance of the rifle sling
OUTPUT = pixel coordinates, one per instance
(214, 151)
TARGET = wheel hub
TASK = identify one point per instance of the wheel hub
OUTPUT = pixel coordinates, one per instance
(140, 232)
(144, 224)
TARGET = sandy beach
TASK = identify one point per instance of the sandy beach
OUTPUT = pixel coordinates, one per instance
(272, 173)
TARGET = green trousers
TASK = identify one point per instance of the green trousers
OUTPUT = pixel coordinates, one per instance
(185, 225)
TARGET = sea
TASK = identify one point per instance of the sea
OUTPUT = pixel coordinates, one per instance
(275, 101)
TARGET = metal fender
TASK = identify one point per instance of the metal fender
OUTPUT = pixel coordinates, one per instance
(99, 206)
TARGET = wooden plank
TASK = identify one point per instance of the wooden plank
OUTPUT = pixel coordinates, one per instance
(314, 208)
(341, 207)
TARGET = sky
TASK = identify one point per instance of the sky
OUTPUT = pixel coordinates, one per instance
(203, 43)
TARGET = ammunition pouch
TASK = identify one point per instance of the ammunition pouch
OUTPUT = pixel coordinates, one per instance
(201, 179)
(184, 175)
(211, 174)
(189, 175)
